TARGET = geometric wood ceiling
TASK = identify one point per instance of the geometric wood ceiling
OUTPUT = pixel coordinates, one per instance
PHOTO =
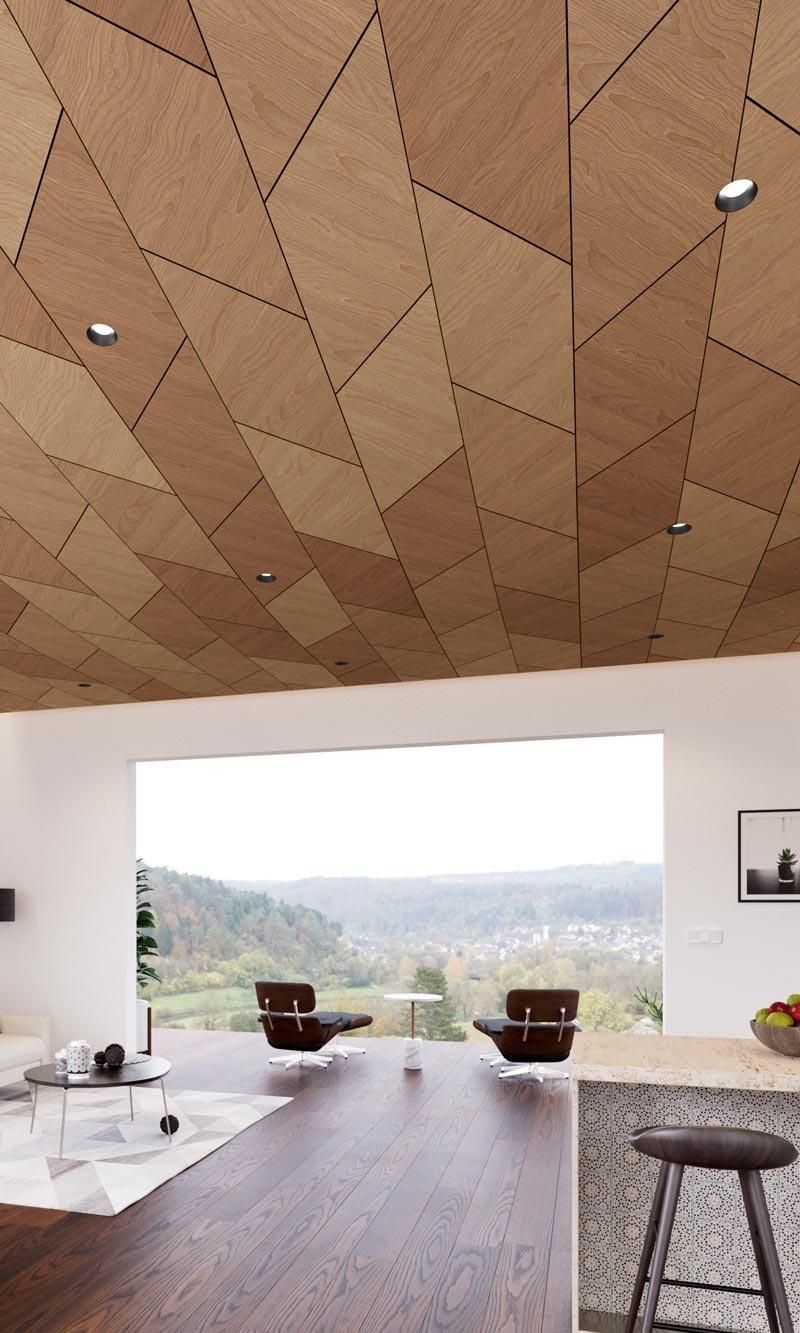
(427, 310)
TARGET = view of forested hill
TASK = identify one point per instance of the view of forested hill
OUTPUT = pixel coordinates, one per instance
(595, 927)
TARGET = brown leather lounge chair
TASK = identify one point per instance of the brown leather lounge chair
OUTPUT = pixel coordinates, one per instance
(538, 1029)
(287, 1010)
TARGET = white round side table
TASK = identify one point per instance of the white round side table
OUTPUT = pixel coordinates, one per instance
(412, 1046)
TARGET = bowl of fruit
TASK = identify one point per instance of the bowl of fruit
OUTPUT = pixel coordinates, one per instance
(778, 1027)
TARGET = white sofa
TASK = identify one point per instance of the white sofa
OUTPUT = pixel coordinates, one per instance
(24, 1041)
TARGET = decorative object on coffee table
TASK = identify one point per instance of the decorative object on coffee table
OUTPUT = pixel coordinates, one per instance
(115, 1055)
(61, 1061)
(79, 1058)
(99, 1058)
(767, 856)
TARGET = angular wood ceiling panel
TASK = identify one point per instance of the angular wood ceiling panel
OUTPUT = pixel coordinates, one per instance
(728, 537)
(148, 521)
(35, 493)
(505, 311)
(436, 524)
(161, 136)
(756, 310)
(64, 411)
(23, 318)
(520, 467)
(169, 24)
(276, 62)
(747, 445)
(482, 96)
(322, 496)
(263, 361)
(344, 211)
(773, 78)
(376, 580)
(399, 449)
(601, 37)
(190, 437)
(399, 405)
(640, 373)
(700, 600)
(531, 558)
(460, 594)
(651, 151)
(82, 262)
(634, 498)
(29, 113)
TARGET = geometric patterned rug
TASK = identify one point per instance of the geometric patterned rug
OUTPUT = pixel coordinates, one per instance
(109, 1160)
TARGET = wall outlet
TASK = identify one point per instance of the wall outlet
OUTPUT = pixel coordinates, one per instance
(708, 935)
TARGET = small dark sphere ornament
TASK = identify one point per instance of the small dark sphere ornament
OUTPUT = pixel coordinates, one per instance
(100, 1058)
(115, 1055)
(173, 1124)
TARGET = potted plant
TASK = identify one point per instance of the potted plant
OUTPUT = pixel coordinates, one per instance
(146, 947)
(653, 1006)
(786, 864)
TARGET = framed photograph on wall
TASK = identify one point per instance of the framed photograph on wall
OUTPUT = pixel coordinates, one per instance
(769, 856)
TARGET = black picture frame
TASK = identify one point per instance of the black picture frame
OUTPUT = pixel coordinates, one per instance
(761, 884)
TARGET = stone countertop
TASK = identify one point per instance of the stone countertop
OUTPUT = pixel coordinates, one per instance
(694, 1062)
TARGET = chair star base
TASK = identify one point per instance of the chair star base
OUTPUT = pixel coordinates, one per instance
(527, 1071)
(302, 1058)
(347, 1051)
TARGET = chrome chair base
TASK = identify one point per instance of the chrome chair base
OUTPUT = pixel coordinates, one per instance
(302, 1058)
(523, 1070)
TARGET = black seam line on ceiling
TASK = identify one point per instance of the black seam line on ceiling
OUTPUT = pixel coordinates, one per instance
(147, 40)
(635, 298)
(61, 113)
(482, 509)
(253, 176)
(635, 448)
(444, 350)
(624, 62)
(753, 361)
(160, 381)
(111, 476)
(86, 506)
(776, 517)
(57, 356)
(340, 71)
(219, 282)
(627, 606)
(772, 114)
(386, 335)
(297, 444)
(572, 315)
(565, 430)
(490, 221)
(81, 363)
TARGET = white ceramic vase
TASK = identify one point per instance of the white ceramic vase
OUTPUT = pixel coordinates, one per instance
(79, 1057)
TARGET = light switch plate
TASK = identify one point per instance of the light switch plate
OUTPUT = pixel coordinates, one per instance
(704, 935)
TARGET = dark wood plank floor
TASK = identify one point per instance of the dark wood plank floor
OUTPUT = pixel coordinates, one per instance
(378, 1201)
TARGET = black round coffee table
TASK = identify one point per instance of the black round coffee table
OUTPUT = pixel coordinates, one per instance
(153, 1070)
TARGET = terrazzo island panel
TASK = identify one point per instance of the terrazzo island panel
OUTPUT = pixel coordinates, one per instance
(624, 1083)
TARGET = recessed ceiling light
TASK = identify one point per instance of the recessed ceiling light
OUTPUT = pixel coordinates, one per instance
(736, 195)
(266, 577)
(678, 529)
(342, 662)
(655, 636)
(102, 335)
(84, 685)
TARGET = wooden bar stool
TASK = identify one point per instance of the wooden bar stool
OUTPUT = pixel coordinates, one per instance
(745, 1151)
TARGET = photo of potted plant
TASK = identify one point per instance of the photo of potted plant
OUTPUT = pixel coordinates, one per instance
(786, 864)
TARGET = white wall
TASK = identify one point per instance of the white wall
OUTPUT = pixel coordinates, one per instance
(731, 742)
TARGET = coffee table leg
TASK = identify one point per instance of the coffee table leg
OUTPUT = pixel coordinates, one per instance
(166, 1111)
(63, 1118)
(413, 1020)
(33, 1108)
(130, 1092)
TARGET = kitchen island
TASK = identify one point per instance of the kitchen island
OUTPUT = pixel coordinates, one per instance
(622, 1083)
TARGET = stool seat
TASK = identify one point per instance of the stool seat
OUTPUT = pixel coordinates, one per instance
(716, 1147)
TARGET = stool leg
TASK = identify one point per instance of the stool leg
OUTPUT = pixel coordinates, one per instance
(763, 1238)
(758, 1250)
(647, 1250)
(666, 1221)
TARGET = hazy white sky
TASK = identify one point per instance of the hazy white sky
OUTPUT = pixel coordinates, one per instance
(521, 805)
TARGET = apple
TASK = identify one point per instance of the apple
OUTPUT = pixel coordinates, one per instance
(793, 999)
(779, 1008)
(780, 1019)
